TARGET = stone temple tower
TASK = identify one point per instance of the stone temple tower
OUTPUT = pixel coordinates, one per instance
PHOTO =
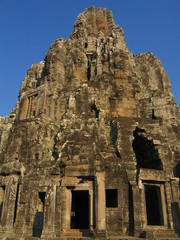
(92, 149)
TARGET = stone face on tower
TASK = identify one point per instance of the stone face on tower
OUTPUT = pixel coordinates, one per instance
(92, 148)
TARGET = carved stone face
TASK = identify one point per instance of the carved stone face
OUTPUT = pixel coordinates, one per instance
(94, 20)
(76, 66)
(80, 66)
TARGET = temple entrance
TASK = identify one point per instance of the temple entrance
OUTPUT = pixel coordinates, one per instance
(80, 209)
(153, 205)
(39, 216)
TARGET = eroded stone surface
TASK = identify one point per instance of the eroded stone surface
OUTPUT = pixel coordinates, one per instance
(91, 117)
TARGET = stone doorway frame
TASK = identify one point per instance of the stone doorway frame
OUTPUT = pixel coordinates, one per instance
(80, 184)
(158, 178)
(163, 203)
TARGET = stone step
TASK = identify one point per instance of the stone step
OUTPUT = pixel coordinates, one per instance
(68, 238)
(124, 238)
(175, 237)
(165, 235)
(78, 233)
(167, 238)
(107, 238)
(87, 238)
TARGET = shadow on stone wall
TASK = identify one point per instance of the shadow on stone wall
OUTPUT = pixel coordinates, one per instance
(38, 224)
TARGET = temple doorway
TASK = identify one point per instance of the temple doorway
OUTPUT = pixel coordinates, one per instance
(80, 214)
(154, 208)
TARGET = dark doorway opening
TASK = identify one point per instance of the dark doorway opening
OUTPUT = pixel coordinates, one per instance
(154, 205)
(80, 209)
(16, 204)
(131, 211)
(2, 191)
(39, 216)
(89, 70)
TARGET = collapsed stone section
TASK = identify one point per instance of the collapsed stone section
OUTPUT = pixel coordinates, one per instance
(95, 128)
(146, 154)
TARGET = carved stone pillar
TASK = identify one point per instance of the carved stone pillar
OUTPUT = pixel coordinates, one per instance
(58, 211)
(49, 213)
(8, 211)
(169, 201)
(65, 210)
(101, 205)
(175, 203)
(137, 209)
(91, 209)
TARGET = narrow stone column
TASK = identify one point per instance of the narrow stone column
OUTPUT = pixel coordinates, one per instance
(91, 209)
(175, 203)
(49, 213)
(143, 204)
(29, 107)
(65, 210)
(24, 109)
(169, 201)
(58, 211)
(9, 203)
(136, 207)
(101, 206)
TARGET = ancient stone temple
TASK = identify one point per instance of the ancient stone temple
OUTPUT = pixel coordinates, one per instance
(92, 148)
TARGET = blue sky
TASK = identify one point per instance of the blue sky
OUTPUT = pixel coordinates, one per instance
(28, 27)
